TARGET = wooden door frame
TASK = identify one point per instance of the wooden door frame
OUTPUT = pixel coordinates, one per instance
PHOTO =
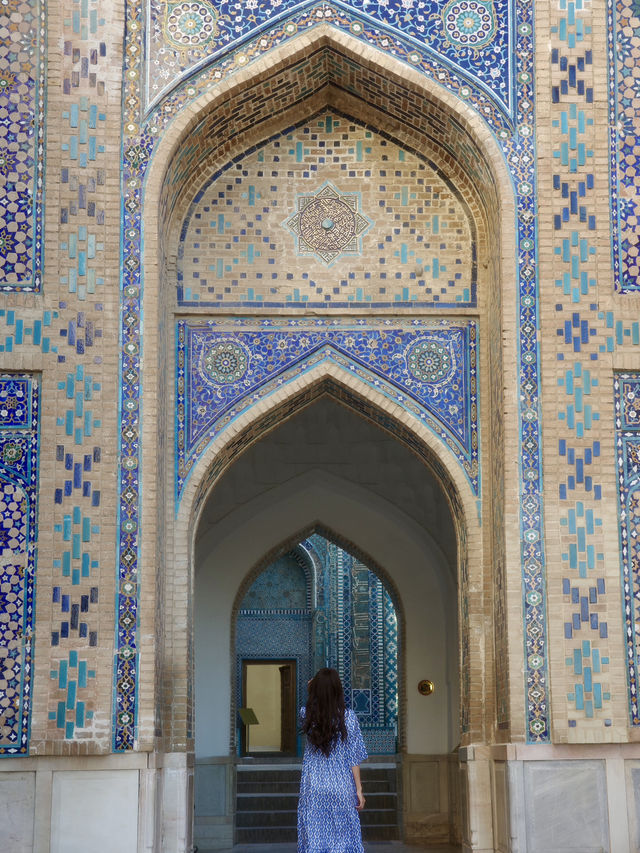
(272, 662)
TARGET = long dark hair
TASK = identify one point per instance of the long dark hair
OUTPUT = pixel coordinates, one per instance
(324, 712)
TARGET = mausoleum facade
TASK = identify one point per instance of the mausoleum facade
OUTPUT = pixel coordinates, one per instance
(319, 344)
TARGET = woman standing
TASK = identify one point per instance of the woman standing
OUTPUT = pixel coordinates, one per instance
(330, 790)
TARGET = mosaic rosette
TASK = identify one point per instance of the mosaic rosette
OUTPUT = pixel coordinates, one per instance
(328, 224)
(19, 418)
(469, 23)
(627, 415)
(376, 351)
(224, 363)
(22, 105)
(192, 24)
(431, 361)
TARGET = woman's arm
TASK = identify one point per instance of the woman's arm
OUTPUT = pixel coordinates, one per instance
(356, 775)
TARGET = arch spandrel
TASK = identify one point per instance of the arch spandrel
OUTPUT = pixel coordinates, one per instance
(427, 368)
(468, 47)
(283, 403)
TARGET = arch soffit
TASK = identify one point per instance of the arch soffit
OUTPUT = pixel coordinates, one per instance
(444, 105)
(325, 378)
(325, 488)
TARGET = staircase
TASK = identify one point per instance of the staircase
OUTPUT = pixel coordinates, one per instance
(267, 800)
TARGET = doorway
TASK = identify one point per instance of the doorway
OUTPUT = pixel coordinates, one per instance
(269, 707)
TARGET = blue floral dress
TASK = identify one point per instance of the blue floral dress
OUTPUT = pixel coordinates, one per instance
(328, 821)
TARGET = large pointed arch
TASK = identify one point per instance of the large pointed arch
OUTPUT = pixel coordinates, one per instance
(170, 171)
(355, 550)
(259, 421)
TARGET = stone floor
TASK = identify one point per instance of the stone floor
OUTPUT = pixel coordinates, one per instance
(371, 847)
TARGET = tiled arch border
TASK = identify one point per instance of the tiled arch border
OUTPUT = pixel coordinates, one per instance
(512, 160)
(371, 564)
(403, 426)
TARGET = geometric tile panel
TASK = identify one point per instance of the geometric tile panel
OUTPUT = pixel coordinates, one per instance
(428, 366)
(624, 121)
(19, 419)
(627, 414)
(22, 106)
(270, 227)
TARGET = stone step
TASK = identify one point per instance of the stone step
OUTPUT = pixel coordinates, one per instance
(246, 775)
(246, 787)
(284, 834)
(253, 787)
(267, 800)
(288, 817)
(263, 801)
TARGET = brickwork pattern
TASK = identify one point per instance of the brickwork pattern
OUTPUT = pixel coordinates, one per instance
(584, 341)
(240, 246)
(55, 338)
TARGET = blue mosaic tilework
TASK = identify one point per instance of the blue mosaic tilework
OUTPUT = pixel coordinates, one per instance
(390, 658)
(627, 415)
(357, 636)
(236, 249)
(83, 148)
(624, 121)
(85, 180)
(19, 424)
(71, 676)
(580, 339)
(18, 332)
(22, 158)
(472, 39)
(72, 613)
(429, 367)
(380, 741)
(283, 584)
(77, 532)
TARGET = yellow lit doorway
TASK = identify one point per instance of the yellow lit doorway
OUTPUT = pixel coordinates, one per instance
(269, 690)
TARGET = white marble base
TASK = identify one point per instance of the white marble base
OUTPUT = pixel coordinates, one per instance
(17, 803)
(508, 799)
(96, 811)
